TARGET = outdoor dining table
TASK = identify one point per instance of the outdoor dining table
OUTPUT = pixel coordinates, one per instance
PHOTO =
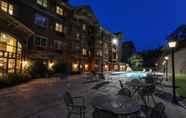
(137, 85)
(119, 105)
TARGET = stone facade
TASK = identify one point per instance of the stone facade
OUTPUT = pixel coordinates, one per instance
(180, 62)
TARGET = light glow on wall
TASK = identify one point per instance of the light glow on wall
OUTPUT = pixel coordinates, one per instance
(51, 64)
(75, 67)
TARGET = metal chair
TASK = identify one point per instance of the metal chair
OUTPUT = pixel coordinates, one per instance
(146, 92)
(73, 107)
(125, 92)
(158, 111)
(103, 114)
(121, 84)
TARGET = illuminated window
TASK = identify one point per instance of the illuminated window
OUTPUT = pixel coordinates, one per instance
(9, 48)
(43, 3)
(59, 11)
(41, 20)
(59, 27)
(7, 7)
(84, 52)
(77, 36)
(84, 27)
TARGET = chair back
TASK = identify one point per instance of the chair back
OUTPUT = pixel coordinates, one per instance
(147, 90)
(103, 114)
(121, 84)
(125, 91)
(135, 81)
(158, 111)
(68, 99)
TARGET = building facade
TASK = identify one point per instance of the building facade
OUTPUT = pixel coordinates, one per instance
(51, 31)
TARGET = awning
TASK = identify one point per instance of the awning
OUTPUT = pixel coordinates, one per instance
(10, 24)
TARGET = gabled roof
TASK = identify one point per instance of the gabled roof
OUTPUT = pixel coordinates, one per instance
(85, 12)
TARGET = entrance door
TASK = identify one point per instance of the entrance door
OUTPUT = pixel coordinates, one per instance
(3, 70)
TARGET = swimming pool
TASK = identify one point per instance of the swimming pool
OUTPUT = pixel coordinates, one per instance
(132, 74)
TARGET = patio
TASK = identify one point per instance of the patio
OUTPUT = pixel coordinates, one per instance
(44, 98)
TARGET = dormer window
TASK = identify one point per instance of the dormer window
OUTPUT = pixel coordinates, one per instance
(59, 11)
(43, 3)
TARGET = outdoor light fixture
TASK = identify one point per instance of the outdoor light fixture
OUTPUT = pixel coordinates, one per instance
(51, 64)
(166, 58)
(25, 64)
(172, 45)
(86, 66)
(115, 41)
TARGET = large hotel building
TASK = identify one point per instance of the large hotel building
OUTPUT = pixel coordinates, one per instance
(51, 31)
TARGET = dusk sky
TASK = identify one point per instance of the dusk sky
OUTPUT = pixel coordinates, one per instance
(146, 22)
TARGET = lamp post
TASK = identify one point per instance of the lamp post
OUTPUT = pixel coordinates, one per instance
(166, 67)
(114, 43)
(172, 45)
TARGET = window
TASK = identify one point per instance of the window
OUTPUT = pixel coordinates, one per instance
(59, 11)
(77, 35)
(57, 44)
(99, 53)
(7, 7)
(40, 41)
(84, 52)
(59, 27)
(41, 20)
(43, 3)
(84, 27)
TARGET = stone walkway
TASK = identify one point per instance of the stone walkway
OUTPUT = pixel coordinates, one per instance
(43, 98)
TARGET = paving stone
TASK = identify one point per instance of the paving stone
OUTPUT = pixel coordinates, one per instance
(43, 98)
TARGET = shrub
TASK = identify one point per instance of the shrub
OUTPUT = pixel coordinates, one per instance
(14, 79)
(61, 68)
(37, 69)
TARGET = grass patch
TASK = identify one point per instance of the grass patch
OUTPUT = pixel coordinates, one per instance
(181, 83)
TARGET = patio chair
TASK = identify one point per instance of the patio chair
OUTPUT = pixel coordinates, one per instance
(73, 107)
(121, 84)
(146, 92)
(134, 89)
(159, 80)
(125, 92)
(103, 114)
(158, 111)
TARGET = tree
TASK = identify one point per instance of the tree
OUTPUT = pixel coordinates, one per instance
(136, 62)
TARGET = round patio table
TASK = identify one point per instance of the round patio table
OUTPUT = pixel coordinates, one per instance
(137, 85)
(119, 105)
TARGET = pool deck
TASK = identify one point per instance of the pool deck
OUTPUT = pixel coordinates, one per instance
(43, 98)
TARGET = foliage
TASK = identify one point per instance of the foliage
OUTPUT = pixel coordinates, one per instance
(151, 57)
(38, 69)
(14, 79)
(136, 62)
(61, 68)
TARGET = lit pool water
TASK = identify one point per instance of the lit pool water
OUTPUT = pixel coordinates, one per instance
(132, 74)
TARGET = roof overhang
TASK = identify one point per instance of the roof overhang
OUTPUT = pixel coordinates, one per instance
(13, 26)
